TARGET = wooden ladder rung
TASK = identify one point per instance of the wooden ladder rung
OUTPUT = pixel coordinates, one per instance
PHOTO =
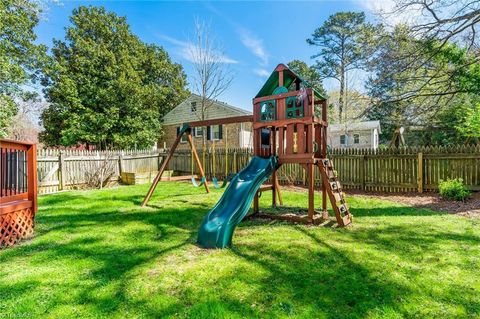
(331, 174)
(338, 196)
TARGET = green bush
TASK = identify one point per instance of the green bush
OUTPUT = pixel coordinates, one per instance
(453, 189)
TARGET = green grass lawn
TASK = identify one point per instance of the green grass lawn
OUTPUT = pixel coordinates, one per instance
(98, 254)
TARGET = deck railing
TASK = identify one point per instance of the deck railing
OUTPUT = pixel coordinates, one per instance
(18, 190)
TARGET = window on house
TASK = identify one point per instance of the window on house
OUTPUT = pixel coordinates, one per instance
(184, 136)
(356, 138)
(343, 140)
(198, 132)
(215, 132)
(193, 107)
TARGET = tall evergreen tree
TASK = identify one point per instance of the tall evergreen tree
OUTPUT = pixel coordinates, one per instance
(340, 41)
(106, 87)
(21, 60)
(308, 73)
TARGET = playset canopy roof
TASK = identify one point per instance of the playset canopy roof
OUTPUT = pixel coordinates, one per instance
(288, 78)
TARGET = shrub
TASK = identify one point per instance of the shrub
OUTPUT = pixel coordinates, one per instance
(453, 189)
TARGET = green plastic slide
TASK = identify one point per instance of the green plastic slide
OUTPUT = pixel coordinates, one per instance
(218, 225)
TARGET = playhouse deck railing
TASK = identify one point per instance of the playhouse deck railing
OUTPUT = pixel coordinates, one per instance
(18, 191)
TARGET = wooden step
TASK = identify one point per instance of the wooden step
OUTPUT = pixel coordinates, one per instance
(338, 196)
(343, 209)
(331, 174)
(347, 219)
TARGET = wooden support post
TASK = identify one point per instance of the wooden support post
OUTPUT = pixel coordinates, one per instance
(420, 172)
(277, 187)
(255, 204)
(161, 170)
(197, 159)
(274, 188)
(273, 152)
(324, 199)
(61, 170)
(226, 151)
(311, 192)
(32, 176)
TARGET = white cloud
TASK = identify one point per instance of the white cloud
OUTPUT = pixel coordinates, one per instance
(387, 13)
(171, 40)
(261, 72)
(254, 44)
(187, 50)
(377, 6)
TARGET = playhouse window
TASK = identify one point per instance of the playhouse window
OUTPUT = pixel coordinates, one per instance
(356, 139)
(193, 107)
(294, 107)
(267, 110)
(343, 140)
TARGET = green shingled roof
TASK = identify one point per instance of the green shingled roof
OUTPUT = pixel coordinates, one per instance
(288, 78)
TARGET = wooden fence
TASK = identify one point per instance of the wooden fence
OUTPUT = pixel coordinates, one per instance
(389, 170)
(62, 170)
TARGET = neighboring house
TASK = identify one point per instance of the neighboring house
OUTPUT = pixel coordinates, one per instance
(354, 135)
(235, 135)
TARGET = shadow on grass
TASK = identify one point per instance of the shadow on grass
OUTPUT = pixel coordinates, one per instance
(94, 234)
(322, 282)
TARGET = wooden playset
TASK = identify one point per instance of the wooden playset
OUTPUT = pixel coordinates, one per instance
(18, 191)
(290, 124)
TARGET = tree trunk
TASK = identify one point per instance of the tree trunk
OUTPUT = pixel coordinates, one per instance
(342, 91)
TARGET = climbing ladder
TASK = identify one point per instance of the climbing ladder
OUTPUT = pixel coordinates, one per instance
(334, 191)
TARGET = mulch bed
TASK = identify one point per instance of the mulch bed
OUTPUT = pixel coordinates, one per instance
(430, 200)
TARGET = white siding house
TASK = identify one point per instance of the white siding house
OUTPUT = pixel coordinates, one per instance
(236, 135)
(354, 135)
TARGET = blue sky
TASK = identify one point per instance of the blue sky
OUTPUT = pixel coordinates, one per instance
(256, 36)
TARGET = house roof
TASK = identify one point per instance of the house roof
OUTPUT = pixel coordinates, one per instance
(183, 113)
(288, 78)
(358, 126)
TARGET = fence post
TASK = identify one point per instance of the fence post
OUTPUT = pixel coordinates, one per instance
(235, 162)
(363, 162)
(61, 170)
(120, 164)
(159, 160)
(420, 172)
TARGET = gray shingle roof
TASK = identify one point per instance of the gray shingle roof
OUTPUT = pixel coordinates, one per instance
(183, 113)
(359, 126)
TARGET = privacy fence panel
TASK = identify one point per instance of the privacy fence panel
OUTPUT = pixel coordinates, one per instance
(386, 170)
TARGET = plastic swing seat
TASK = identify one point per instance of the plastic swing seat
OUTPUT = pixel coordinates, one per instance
(215, 182)
(195, 184)
(225, 181)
